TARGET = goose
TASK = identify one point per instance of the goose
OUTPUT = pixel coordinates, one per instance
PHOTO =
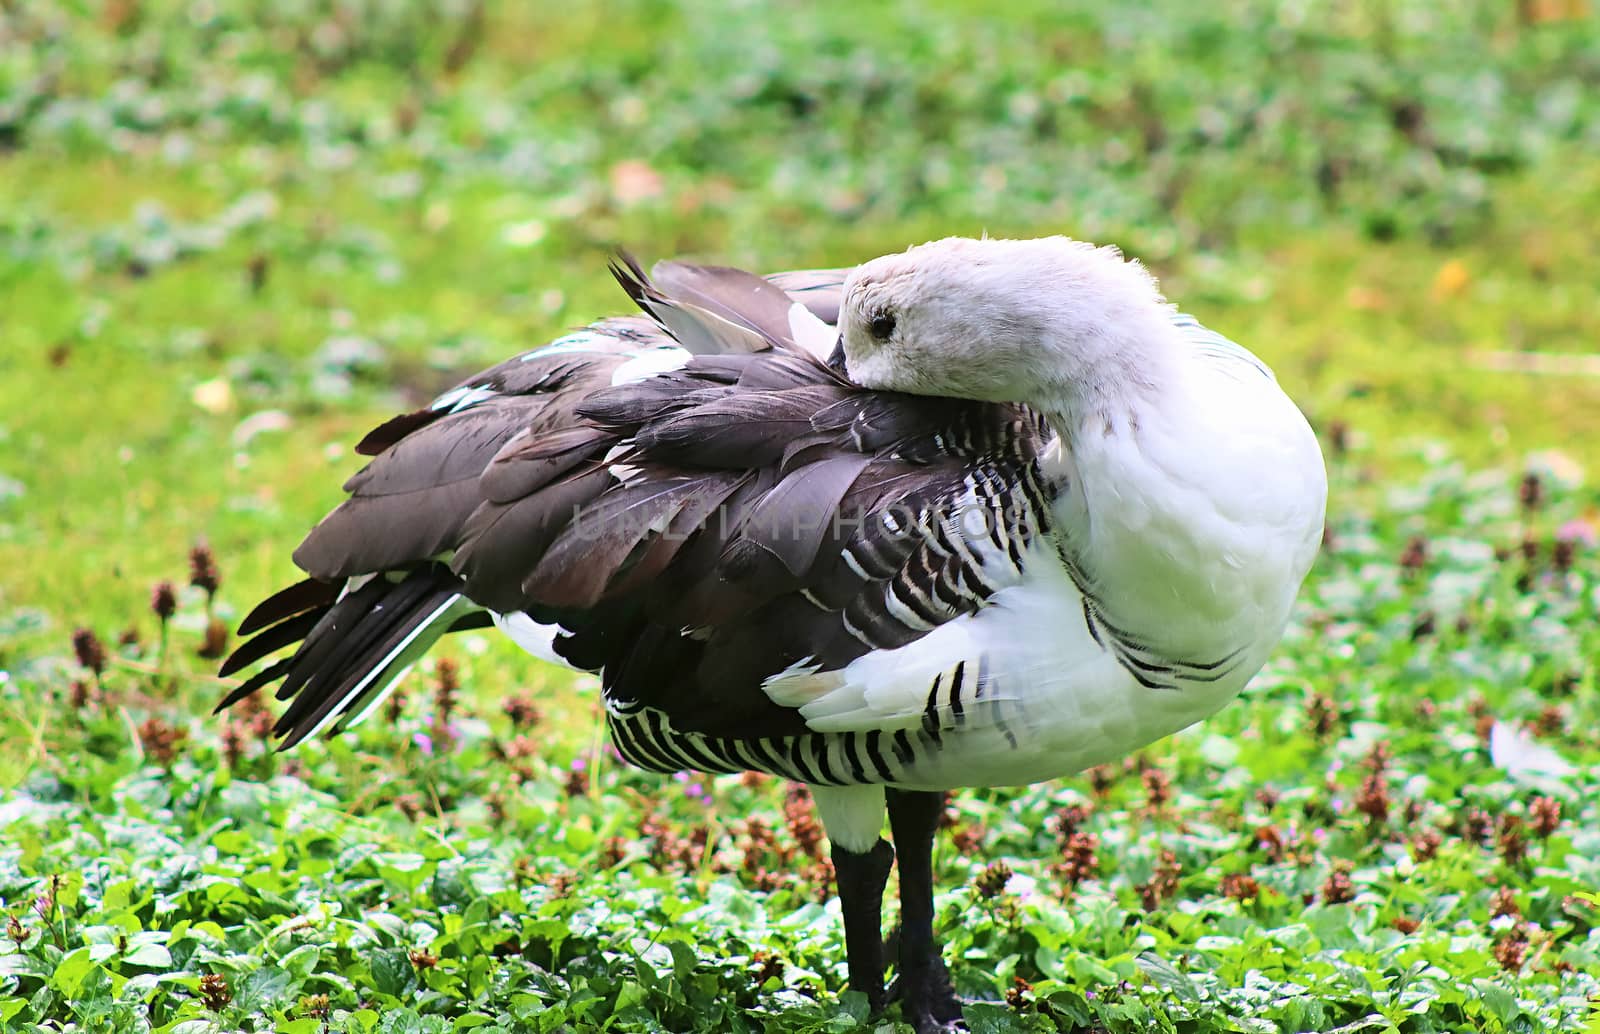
(981, 513)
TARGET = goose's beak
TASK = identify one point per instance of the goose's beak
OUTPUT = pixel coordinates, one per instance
(836, 358)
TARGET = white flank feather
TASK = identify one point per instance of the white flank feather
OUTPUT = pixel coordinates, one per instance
(537, 639)
(852, 815)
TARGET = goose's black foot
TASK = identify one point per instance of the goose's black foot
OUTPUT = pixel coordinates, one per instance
(861, 878)
(927, 1000)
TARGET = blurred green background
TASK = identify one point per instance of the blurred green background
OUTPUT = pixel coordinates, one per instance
(328, 208)
(235, 235)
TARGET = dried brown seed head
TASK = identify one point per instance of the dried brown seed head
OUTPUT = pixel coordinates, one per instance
(203, 573)
(1511, 951)
(91, 653)
(1415, 556)
(1544, 815)
(991, 882)
(522, 711)
(164, 600)
(160, 740)
(215, 993)
(1426, 844)
(1503, 902)
(1240, 886)
(1157, 788)
(215, 644)
(1373, 799)
(1530, 492)
(1337, 888)
(1322, 715)
(1513, 845)
(1080, 858)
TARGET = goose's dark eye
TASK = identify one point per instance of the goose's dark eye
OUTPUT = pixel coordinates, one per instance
(882, 326)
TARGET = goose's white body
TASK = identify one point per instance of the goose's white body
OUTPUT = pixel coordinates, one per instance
(1194, 537)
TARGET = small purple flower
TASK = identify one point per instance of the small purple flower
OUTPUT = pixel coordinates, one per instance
(424, 743)
(692, 787)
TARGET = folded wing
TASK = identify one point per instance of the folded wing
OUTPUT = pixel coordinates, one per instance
(695, 501)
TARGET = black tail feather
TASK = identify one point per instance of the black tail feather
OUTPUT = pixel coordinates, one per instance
(334, 653)
(342, 641)
(471, 622)
(632, 277)
(266, 676)
(324, 639)
(337, 691)
(270, 641)
(295, 599)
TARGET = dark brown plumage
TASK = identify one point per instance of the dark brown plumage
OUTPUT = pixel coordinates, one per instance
(716, 559)
(691, 533)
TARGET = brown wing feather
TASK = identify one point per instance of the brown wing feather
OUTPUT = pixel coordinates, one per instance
(820, 290)
(733, 294)
(760, 581)
(412, 501)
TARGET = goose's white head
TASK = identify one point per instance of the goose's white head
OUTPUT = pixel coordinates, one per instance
(1051, 322)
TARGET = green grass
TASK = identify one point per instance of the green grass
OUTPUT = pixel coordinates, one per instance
(326, 210)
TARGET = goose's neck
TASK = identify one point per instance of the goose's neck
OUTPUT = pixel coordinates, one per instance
(1106, 388)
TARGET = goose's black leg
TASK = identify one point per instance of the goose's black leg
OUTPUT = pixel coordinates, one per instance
(926, 997)
(861, 879)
